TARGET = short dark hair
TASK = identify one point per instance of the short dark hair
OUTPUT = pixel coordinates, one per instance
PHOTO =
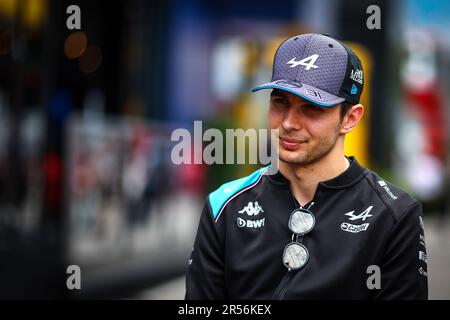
(345, 106)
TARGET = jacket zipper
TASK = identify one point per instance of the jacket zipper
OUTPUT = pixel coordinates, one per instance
(279, 292)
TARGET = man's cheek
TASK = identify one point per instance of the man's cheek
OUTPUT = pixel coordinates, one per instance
(274, 121)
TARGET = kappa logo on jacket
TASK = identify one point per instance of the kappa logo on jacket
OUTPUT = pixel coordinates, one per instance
(251, 210)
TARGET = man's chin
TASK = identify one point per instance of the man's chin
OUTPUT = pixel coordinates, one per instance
(294, 158)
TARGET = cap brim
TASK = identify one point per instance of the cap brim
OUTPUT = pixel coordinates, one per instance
(307, 92)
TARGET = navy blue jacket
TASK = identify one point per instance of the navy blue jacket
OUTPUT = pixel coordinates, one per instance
(362, 221)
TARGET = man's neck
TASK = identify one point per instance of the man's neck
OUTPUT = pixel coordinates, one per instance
(305, 178)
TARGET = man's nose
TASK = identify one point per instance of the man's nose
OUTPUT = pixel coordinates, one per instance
(291, 119)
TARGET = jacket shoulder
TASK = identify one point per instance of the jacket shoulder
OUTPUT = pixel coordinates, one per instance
(397, 200)
(219, 198)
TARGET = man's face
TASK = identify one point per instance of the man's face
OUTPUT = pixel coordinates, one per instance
(307, 132)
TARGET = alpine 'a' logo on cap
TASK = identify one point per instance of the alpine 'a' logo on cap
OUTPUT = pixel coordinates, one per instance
(312, 59)
(357, 75)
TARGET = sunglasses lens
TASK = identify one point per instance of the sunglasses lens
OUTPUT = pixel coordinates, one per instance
(295, 256)
(301, 221)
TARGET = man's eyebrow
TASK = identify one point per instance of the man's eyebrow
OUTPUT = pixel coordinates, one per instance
(309, 103)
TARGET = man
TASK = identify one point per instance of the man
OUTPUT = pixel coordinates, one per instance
(323, 227)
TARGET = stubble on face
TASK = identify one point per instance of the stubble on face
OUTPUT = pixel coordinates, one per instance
(316, 128)
(310, 152)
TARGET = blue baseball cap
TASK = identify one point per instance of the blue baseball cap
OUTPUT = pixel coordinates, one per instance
(317, 68)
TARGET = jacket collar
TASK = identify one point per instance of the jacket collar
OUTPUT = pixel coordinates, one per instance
(353, 173)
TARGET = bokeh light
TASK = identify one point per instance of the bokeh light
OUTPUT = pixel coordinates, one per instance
(91, 59)
(75, 45)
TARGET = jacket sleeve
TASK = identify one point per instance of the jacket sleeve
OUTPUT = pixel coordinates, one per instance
(404, 268)
(205, 274)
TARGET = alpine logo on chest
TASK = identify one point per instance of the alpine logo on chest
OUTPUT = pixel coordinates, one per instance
(356, 228)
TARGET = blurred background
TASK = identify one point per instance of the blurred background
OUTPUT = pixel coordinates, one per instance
(87, 114)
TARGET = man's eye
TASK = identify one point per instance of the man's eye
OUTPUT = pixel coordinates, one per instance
(315, 108)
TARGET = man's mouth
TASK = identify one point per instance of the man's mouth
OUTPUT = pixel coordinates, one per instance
(290, 144)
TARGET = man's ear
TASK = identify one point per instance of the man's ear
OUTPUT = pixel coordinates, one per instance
(351, 119)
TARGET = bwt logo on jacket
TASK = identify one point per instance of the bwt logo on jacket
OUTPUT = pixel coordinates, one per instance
(250, 223)
(251, 210)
